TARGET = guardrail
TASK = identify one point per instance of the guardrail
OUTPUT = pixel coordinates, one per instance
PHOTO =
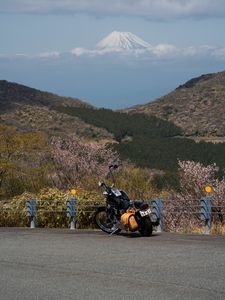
(72, 208)
(203, 211)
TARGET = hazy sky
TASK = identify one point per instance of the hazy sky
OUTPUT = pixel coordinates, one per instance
(187, 38)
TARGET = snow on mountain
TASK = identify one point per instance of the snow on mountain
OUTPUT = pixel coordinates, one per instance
(122, 41)
(127, 44)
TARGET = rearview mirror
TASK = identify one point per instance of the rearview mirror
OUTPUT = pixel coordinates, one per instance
(114, 166)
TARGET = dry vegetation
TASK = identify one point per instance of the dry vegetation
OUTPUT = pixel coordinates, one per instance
(41, 118)
(198, 106)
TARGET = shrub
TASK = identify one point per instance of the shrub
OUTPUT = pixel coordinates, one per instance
(13, 212)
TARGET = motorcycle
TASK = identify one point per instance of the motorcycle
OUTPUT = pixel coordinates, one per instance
(121, 212)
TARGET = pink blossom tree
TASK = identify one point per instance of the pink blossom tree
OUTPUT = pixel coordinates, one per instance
(76, 159)
(182, 211)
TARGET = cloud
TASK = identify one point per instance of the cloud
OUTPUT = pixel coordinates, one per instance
(152, 9)
(157, 52)
(24, 56)
(126, 44)
(53, 54)
(160, 52)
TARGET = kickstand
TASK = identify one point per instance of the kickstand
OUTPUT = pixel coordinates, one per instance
(113, 232)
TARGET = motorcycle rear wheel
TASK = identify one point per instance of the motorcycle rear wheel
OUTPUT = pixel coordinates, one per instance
(146, 227)
(105, 222)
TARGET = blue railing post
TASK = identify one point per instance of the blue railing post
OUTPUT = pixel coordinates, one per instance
(31, 211)
(71, 212)
(157, 214)
(206, 212)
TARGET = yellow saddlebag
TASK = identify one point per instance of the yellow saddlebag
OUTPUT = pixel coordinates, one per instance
(129, 221)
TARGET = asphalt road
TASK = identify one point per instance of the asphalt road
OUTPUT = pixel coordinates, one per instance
(63, 264)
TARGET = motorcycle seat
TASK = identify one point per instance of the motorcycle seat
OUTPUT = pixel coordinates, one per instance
(138, 203)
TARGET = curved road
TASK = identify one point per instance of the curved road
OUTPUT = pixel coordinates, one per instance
(66, 264)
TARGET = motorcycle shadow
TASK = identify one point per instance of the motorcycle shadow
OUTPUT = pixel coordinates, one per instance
(135, 235)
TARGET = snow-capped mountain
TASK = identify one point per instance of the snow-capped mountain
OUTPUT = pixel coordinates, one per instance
(122, 41)
(127, 44)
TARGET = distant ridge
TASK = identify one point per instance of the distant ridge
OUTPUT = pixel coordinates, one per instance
(13, 95)
(197, 106)
(29, 109)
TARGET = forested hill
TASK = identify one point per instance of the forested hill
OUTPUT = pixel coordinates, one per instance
(198, 106)
(123, 125)
(149, 141)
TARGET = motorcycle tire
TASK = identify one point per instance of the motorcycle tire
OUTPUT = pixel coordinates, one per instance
(146, 227)
(105, 223)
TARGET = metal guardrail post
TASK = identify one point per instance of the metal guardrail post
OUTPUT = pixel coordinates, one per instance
(206, 212)
(71, 212)
(31, 211)
(157, 214)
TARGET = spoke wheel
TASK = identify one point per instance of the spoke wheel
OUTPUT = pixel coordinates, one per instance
(106, 222)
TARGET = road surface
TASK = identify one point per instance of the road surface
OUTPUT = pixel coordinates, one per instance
(65, 264)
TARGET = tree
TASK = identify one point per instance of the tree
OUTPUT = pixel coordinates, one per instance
(21, 160)
(183, 210)
(76, 159)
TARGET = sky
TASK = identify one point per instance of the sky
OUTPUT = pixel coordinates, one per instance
(51, 45)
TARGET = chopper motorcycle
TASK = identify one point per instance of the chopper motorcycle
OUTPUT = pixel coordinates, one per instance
(120, 212)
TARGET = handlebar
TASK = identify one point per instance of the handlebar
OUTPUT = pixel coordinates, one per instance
(102, 184)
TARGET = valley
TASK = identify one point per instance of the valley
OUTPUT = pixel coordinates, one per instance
(153, 136)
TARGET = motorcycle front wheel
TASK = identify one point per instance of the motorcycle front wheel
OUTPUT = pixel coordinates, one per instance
(106, 221)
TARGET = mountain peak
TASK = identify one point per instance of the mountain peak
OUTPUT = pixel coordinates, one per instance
(120, 41)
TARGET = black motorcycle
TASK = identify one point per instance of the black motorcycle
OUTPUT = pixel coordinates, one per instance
(121, 212)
